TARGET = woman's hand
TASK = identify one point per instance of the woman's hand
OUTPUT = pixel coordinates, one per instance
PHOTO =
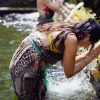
(94, 51)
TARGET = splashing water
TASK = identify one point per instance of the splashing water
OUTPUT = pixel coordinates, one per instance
(23, 22)
(61, 88)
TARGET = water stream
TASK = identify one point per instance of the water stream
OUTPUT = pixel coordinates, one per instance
(59, 87)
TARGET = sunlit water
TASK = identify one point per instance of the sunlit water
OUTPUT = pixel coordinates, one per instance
(59, 87)
(23, 22)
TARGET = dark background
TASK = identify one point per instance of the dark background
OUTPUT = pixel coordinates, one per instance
(17, 3)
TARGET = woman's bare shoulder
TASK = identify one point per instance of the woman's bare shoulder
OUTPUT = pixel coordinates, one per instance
(71, 39)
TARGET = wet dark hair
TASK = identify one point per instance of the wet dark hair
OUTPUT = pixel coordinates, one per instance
(89, 26)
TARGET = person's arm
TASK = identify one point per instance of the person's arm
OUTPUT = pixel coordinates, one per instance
(70, 52)
(87, 59)
(68, 62)
(55, 6)
(87, 53)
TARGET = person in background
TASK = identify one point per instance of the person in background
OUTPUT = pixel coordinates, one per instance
(46, 9)
(51, 43)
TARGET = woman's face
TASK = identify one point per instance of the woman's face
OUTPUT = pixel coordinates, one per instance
(85, 43)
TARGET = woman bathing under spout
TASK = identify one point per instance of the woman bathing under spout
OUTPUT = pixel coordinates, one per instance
(48, 45)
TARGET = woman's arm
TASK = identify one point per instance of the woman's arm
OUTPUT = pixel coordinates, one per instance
(87, 53)
(70, 52)
(70, 68)
(83, 55)
(90, 56)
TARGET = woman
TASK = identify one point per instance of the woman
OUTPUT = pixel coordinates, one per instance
(46, 10)
(58, 42)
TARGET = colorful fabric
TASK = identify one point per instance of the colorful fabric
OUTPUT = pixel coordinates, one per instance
(50, 40)
(47, 17)
(28, 72)
(46, 9)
